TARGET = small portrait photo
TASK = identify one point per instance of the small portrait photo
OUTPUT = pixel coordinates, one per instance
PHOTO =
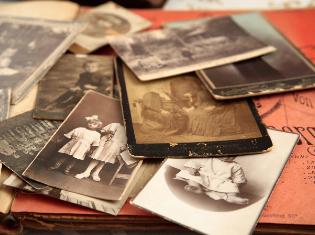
(57, 97)
(88, 154)
(220, 195)
(102, 24)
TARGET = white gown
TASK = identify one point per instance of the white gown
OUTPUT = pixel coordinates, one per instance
(81, 141)
(109, 150)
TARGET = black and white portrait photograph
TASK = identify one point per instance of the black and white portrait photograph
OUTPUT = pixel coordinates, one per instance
(227, 193)
(162, 53)
(181, 110)
(21, 138)
(102, 24)
(104, 21)
(106, 206)
(28, 48)
(5, 96)
(283, 70)
(57, 97)
(88, 154)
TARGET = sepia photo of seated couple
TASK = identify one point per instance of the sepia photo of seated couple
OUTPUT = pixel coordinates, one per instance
(102, 144)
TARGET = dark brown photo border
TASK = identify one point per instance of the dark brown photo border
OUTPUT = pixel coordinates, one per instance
(202, 149)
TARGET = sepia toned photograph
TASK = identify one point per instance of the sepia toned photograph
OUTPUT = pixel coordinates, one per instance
(168, 52)
(29, 49)
(284, 70)
(88, 154)
(5, 96)
(56, 97)
(21, 138)
(180, 113)
(110, 207)
(106, 21)
(227, 192)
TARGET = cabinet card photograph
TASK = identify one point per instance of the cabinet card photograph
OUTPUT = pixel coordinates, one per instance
(106, 21)
(29, 48)
(21, 138)
(178, 117)
(88, 154)
(284, 70)
(5, 96)
(217, 195)
(168, 52)
(67, 82)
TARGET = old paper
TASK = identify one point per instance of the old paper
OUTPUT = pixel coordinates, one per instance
(52, 10)
(295, 191)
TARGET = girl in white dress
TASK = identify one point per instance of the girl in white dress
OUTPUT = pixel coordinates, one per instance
(111, 146)
(81, 140)
(219, 178)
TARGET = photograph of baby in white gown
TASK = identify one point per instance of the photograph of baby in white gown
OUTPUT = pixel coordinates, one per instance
(218, 178)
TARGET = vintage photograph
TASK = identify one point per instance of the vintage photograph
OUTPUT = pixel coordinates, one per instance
(285, 69)
(179, 111)
(28, 50)
(110, 207)
(168, 52)
(227, 192)
(5, 96)
(105, 21)
(21, 138)
(88, 154)
(56, 97)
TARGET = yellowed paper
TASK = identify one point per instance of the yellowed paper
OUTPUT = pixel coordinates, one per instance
(52, 10)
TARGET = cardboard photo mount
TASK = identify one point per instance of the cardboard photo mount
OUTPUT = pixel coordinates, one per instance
(196, 149)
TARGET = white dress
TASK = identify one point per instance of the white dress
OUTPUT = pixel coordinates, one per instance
(215, 175)
(109, 150)
(81, 141)
(221, 176)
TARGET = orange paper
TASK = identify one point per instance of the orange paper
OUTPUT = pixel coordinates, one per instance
(293, 198)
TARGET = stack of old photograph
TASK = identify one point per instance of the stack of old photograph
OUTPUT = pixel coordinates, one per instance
(172, 97)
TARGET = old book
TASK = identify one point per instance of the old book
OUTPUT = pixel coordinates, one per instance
(5, 97)
(90, 152)
(67, 82)
(29, 48)
(51, 10)
(21, 138)
(224, 195)
(168, 52)
(282, 71)
(106, 21)
(178, 117)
